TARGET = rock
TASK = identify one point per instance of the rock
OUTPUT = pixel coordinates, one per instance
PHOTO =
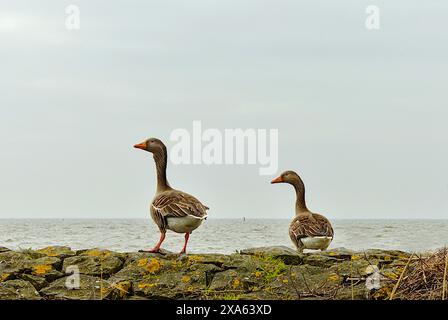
(60, 252)
(256, 273)
(352, 269)
(18, 290)
(154, 277)
(5, 276)
(13, 263)
(102, 253)
(287, 255)
(118, 291)
(220, 260)
(54, 262)
(31, 253)
(320, 260)
(137, 266)
(338, 253)
(46, 267)
(95, 263)
(229, 280)
(136, 298)
(13, 257)
(258, 295)
(38, 282)
(385, 257)
(134, 257)
(359, 292)
(90, 288)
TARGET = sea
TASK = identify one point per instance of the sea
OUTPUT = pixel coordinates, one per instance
(217, 236)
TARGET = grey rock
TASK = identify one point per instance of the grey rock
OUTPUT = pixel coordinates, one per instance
(18, 290)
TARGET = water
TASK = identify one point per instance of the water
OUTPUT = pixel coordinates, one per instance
(218, 236)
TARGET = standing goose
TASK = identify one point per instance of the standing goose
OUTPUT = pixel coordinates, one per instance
(307, 230)
(171, 209)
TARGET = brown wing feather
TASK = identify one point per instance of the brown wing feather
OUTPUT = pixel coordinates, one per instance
(313, 225)
(174, 203)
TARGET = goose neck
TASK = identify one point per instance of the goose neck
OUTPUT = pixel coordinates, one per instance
(161, 160)
(301, 207)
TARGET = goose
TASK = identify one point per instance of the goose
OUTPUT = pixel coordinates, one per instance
(307, 230)
(171, 209)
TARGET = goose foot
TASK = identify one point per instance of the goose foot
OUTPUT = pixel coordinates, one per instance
(156, 249)
(151, 251)
(184, 249)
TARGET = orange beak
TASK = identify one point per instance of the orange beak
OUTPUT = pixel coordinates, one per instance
(277, 180)
(141, 146)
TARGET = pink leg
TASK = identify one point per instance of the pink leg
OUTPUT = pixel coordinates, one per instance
(157, 247)
(184, 250)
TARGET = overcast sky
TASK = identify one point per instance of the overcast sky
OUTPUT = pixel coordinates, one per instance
(362, 115)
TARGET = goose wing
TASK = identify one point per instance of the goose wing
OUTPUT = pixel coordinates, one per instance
(174, 203)
(314, 225)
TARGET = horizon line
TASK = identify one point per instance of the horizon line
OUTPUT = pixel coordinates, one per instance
(210, 218)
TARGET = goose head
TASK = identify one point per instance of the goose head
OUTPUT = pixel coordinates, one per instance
(152, 145)
(288, 177)
(294, 179)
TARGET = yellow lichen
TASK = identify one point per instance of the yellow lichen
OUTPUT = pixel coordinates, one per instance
(257, 274)
(98, 253)
(104, 291)
(153, 266)
(355, 257)
(193, 259)
(49, 251)
(146, 285)
(190, 289)
(42, 269)
(4, 277)
(142, 262)
(333, 277)
(236, 283)
(186, 279)
(285, 280)
(123, 288)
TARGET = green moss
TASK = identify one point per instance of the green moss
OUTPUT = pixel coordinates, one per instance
(271, 267)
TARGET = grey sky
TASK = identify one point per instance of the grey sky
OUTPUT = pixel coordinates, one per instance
(362, 115)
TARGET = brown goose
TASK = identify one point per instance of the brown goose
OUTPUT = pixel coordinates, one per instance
(171, 209)
(307, 230)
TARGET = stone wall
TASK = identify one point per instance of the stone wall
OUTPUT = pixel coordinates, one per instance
(259, 273)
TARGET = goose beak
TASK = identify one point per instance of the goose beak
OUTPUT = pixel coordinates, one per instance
(140, 146)
(277, 180)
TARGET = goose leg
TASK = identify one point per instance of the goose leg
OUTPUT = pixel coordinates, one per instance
(157, 247)
(184, 250)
